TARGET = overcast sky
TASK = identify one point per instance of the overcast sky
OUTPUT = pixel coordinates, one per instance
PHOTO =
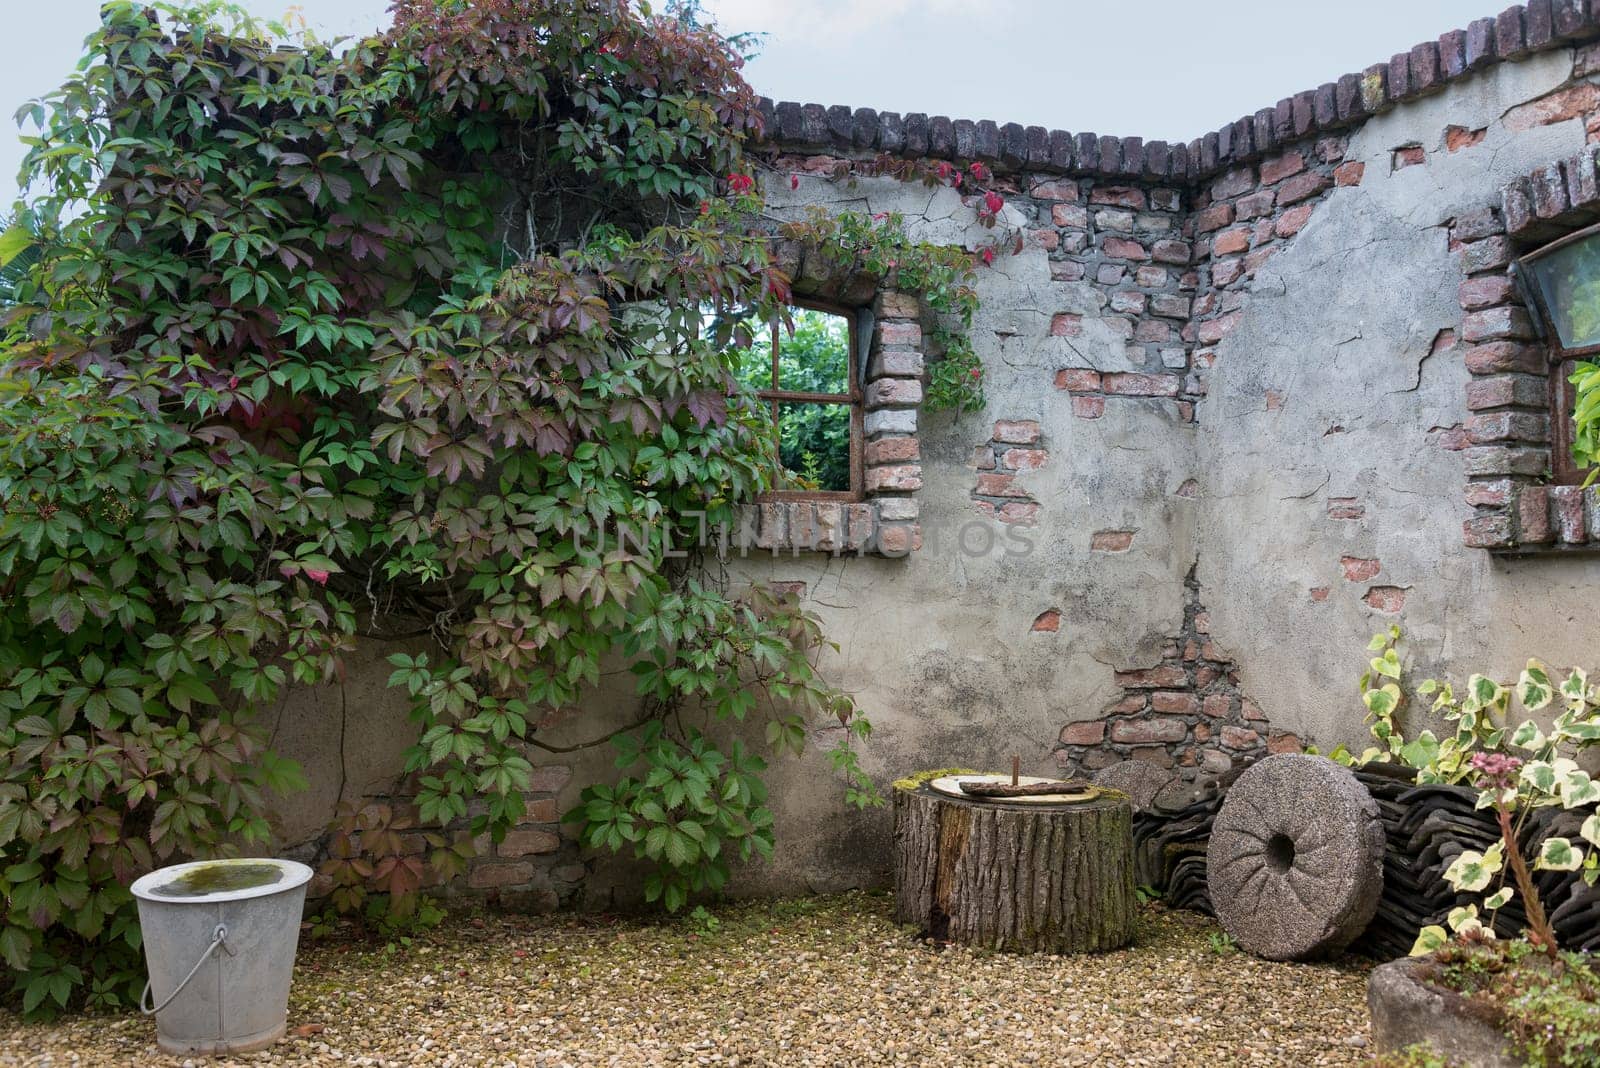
(1168, 69)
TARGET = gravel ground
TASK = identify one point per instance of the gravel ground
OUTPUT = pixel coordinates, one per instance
(828, 981)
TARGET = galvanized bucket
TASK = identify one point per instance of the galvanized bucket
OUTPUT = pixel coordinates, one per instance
(219, 941)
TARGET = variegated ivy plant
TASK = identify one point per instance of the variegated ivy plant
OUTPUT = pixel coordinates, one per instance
(1516, 769)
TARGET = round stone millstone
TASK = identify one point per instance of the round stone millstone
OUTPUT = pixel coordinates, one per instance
(1294, 868)
(1139, 779)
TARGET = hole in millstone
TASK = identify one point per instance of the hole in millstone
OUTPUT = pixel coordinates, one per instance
(1280, 852)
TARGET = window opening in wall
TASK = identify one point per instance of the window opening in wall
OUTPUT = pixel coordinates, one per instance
(1562, 284)
(808, 379)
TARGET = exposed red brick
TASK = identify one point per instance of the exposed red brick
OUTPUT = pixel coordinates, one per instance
(525, 841)
(1176, 252)
(1274, 400)
(1217, 706)
(1573, 102)
(548, 809)
(487, 874)
(1066, 324)
(891, 305)
(1387, 599)
(1048, 240)
(1134, 384)
(1162, 677)
(997, 485)
(1319, 594)
(1048, 620)
(894, 450)
(899, 333)
(1458, 137)
(1494, 494)
(1143, 731)
(1123, 249)
(1175, 701)
(1189, 488)
(1124, 196)
(1450, 438)
(1078, 380)
(1349, 173)
(1345, 508)
(982, 457)
(1486, 290)
(1533, 515)
(1240, 737)
(1407, 156)
(1214, 330)
(897, 540)
(1088, 407)
(1089, 732)
(1111, 541)
(886, 391)
(1213, 218)
(1290, 222)
(1019, 513)
(1301, 186)
(1072, 215)
(1024, 459)
(894, 477)
(549, 778)
(1055, 189)
(1358, 569)
(1230, 241)
(1280, 167)
(1255, 205)
(1284, 742)
(1016, 431)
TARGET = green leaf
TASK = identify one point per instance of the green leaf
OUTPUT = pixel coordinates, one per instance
(1429, 939)
(1558, 854)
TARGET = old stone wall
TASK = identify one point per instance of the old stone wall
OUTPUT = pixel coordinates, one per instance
(1249, 400)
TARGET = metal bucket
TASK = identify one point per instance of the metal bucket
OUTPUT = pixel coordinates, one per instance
(219, 941)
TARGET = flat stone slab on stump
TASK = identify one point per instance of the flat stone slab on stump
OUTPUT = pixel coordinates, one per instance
(1295, 864)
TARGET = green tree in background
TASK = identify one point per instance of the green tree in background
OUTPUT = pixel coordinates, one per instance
(813, 439)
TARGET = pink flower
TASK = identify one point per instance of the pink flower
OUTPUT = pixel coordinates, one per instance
(233, 381)
(994, 202)
(740, 184)
(979, 172)
(987, 255)
(977, 372)
(794, 181)
(944, 170)
(319, 577)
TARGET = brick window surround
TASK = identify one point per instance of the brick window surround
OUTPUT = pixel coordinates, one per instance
(1522, 503)
(883, 520)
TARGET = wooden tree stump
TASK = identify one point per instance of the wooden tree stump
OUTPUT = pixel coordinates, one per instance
(1014, 876)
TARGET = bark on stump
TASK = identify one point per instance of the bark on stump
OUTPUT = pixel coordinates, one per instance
(1019, 877)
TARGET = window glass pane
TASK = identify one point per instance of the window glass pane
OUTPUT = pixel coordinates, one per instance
(816, 357)
(814, 445)
(1568, 280)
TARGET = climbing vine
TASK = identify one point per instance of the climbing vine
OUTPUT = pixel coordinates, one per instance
(405, 340)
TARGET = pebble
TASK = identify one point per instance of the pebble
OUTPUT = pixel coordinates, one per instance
(823, 981)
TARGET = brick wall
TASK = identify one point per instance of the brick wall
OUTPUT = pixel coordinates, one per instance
(1185, 712)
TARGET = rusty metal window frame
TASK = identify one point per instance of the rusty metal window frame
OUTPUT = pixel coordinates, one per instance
(1563, 470)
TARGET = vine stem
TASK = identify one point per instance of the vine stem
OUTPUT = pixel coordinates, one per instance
(1539, 931)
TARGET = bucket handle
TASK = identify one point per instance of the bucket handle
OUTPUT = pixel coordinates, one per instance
(219, 939)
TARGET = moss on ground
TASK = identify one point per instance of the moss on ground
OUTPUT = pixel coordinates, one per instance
(1549, 1008)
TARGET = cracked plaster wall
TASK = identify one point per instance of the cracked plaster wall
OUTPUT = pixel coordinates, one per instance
(1343, 325)
(939, 647)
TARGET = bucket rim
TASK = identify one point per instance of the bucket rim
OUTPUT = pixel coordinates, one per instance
(296, 875)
